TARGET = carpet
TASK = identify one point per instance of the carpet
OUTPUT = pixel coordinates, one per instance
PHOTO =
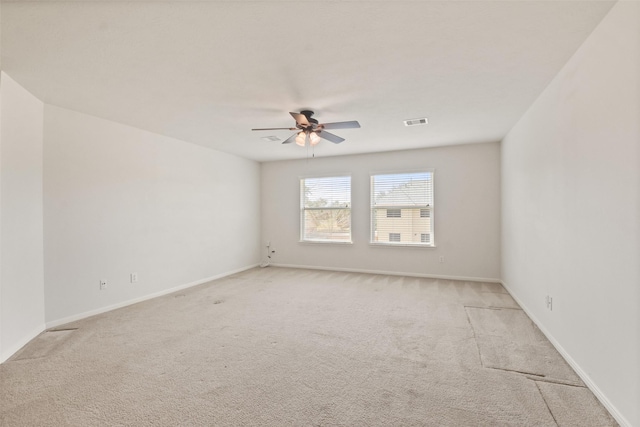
(294, 347)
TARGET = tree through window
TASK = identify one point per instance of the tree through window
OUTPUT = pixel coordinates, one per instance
(325, 209)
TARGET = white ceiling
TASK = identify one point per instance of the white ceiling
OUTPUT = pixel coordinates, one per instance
(208, 72)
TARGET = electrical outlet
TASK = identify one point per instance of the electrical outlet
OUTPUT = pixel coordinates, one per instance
(441, 259)
(103, 284)
(134, 277)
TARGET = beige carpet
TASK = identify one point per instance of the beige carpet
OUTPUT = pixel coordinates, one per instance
(287, 347)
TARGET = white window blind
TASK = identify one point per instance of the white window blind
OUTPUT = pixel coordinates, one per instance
(325, 209)
(409, 196)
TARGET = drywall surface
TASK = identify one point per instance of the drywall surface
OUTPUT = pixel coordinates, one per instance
(466, 212)
(2, 357)
(571, 209)
(119, 200)
(21, 273)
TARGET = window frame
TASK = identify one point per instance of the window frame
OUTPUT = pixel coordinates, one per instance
(431, 210)
(303, 209)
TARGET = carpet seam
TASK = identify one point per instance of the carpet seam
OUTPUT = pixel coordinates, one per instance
(558, 382)
(545, 402)
(514, 371)
(474, 336)
(491, 308)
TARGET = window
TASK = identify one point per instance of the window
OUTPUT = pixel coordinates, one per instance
(402, 209)
(394, 213)
(325, 209)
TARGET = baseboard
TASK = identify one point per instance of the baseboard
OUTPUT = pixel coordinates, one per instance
(6, 354)
(76, 317)
(391, 273)
(581, 373)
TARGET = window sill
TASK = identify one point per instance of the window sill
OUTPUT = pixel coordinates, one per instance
(323, 242)
(404, 245)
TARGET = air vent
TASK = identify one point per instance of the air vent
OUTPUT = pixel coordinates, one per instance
(271, 138)
(416, 122)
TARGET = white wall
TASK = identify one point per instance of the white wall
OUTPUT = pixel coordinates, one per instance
(21, 250)
(571, 210)
(467, 212)
(119, 200)
(1, 354)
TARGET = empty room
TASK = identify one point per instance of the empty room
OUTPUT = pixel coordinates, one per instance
(320, 213)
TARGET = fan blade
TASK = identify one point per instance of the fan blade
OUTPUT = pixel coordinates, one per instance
(330, 137)
(290, 139)
(300, 119)
(340, 125)
(276, 129)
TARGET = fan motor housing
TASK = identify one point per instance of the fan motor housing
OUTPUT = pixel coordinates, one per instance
(313, 122)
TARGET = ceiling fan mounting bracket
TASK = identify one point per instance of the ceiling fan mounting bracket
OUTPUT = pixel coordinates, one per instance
(313, 123)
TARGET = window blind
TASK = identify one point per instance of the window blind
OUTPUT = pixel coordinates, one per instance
(402, 209)
(325, 209)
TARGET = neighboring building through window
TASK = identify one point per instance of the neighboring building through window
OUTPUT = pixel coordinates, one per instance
(402, 209)
(325, 209)
(394, 213)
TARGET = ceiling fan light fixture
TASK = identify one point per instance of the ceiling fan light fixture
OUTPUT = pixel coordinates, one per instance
(314, 138)
(300, 139)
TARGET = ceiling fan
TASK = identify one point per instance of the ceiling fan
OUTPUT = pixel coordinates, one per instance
(310, 131)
